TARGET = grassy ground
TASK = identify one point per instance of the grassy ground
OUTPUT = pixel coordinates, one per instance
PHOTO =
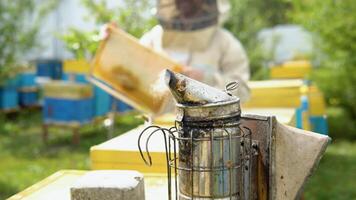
(335, 177)
(24, 159)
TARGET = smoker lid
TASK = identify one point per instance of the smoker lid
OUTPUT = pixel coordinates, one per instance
(210, 111)
(187, 91)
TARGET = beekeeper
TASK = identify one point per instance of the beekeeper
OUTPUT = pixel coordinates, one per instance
(191, 32)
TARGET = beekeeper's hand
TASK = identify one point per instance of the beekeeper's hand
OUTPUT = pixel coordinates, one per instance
(105, 30)
(193, 73)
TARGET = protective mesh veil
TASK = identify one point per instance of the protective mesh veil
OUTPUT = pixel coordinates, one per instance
(187, 15)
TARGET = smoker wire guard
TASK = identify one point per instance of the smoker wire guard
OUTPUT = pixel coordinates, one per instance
(175, 134)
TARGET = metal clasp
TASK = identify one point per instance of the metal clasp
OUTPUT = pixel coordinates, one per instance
(231, 87)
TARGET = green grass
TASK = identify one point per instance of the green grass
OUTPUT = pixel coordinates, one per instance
(25, 160)
(335, 177)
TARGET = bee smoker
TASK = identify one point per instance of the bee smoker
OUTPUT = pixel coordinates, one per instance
(209, 154)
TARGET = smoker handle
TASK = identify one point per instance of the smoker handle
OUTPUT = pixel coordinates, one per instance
(231, 87)
(157, 129)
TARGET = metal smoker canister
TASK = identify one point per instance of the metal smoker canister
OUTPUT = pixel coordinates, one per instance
(210, 151)
(207, 152)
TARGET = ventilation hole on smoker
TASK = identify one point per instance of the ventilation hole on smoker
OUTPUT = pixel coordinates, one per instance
(246, 168)
(242, 143)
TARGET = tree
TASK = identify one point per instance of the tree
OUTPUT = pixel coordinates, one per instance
(20, 21)
(132, 16)
(247, 18)
(333, 23)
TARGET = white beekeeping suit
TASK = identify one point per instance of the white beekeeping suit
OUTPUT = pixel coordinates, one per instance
(190, 32)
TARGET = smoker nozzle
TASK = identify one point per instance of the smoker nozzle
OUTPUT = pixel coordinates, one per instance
(191, 92)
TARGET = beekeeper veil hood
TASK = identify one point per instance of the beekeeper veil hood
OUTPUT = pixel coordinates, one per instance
(190, 15)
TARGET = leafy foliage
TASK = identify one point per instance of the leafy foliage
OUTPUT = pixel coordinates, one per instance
(247, 18)
(81, 44)
(334, 23)
(20, 23)
(131, 15)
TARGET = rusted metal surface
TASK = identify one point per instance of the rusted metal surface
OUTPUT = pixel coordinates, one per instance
(212, 158)
(191, 92)
(262, 129)
(213, 155)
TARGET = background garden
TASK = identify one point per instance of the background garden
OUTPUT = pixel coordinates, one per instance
(24, 159)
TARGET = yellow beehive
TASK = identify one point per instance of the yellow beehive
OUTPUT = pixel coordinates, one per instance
(57, 186)
(316, 102)
(76, 66)
(67, 90)
(275, 93)
(291, 69)
(165, 120)
(28, 89)
(122, 152)
(54, 187)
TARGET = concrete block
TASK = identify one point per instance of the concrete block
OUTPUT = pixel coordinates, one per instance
(109, 185)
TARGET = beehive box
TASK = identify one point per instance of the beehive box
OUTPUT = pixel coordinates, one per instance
(276, 93)
(291, 93)
(291, 70)
(27, 79)
(319, 124)
(102, 102)
(8, 98)
(67, 90)
(66, 102)
(105, 103)
(121, 106)
(78, 78)
(76, 66)
(67, 110)
(28, 96)
(50, 68)
(317, 105)
(317, 110)
(122, 152)
(9, 94)
(57, 187)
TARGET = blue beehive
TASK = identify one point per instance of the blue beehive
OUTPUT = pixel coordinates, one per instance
(102, 102)
(300, 116)
(319, 124)
(27, 79)
(8, 94)
(49, 68)
(28, 96)
(28, 90)
(78, 78)
(67, 110)
(8, 98)
(121, 106)
(67, 102)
